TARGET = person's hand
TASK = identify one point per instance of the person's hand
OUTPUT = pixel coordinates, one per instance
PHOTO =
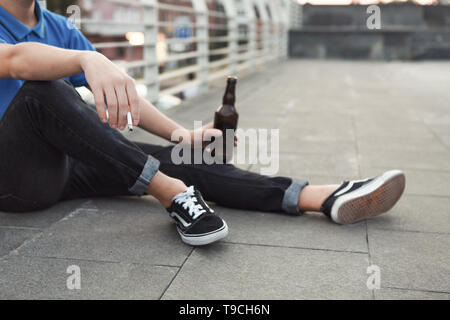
(204, 135)
(111, 85)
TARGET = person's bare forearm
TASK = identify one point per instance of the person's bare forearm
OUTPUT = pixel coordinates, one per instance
(35, 61)
(109, 84)
(155, 122)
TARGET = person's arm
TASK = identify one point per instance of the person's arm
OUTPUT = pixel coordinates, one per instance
(155, 122)
(35, 61)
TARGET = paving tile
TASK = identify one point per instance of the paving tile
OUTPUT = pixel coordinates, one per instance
(419, 182)
(129, 229)
(396, 294)
(400, 144)
(42, 278)
(411, 260)
(256, 272)
(419, 160)
(329, 180)
(445, 138)
(408, 129)
(279, 229)
(416, 213)
(11, 238)
(300, 145)
(312, 128)
(291, 165)
(40, 219)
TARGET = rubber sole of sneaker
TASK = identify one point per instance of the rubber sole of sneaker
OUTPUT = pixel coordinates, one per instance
(371, 200)
(205, 239)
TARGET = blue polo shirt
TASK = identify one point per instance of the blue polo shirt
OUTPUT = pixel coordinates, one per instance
(52, 30)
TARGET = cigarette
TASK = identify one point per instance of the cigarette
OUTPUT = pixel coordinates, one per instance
(130, 121)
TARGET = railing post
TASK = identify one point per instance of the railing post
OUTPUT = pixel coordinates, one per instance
(202, 23)
(295, 14)
(151, 73)
(251, 34)
(284, 10)
(265, 30)
(276, 36)
(232, 25)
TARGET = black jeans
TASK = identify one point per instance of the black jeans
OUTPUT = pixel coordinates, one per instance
(53, 147)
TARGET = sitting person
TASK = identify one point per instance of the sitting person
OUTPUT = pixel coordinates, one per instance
(54, 147)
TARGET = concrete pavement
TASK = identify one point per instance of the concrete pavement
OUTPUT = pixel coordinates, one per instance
(338, 120)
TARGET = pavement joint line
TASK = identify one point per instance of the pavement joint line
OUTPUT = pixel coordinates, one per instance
(176, 274)
(292, 247)
(70, 258)
(98, 261)
(369, 255)
(440, 139)
(427, 195)
(415, 290)
(411, 231)
(434, 134)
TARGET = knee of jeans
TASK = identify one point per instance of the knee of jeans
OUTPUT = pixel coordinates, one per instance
(14, 204)
(57, 90)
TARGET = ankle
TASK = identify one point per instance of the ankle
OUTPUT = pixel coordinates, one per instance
(312, 197)
(165, 188)
(176, 187)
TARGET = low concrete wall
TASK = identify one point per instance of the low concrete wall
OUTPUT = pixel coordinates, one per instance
(407, 32)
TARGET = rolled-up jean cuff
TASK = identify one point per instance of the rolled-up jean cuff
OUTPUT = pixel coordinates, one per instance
(151, 167)
(292, 196)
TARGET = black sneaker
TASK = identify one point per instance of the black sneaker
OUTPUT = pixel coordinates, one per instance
(358, 200)
(196, 222)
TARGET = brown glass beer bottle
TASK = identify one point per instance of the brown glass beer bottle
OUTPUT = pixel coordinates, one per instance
(226, 117)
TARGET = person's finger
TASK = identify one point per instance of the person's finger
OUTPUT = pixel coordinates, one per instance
(133, 101)
(99, 101)
(111, 100)
(236, 140)
(209, 133)
(123, 107)
(209, 126)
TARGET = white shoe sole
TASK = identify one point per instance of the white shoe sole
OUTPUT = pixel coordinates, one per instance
(371, 200)
(204, 239)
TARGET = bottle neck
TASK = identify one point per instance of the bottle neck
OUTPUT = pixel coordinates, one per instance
(229, 97)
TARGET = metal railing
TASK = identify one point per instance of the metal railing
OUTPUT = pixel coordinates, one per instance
(226, 37)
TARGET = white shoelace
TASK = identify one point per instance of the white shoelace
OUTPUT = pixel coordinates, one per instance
(189, 202)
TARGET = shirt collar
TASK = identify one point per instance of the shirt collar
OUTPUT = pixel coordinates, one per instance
(17, 29)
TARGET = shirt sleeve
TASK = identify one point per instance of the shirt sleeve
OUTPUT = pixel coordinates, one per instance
(77, 41)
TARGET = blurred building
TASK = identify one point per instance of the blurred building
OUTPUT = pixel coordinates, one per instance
(407, 31)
